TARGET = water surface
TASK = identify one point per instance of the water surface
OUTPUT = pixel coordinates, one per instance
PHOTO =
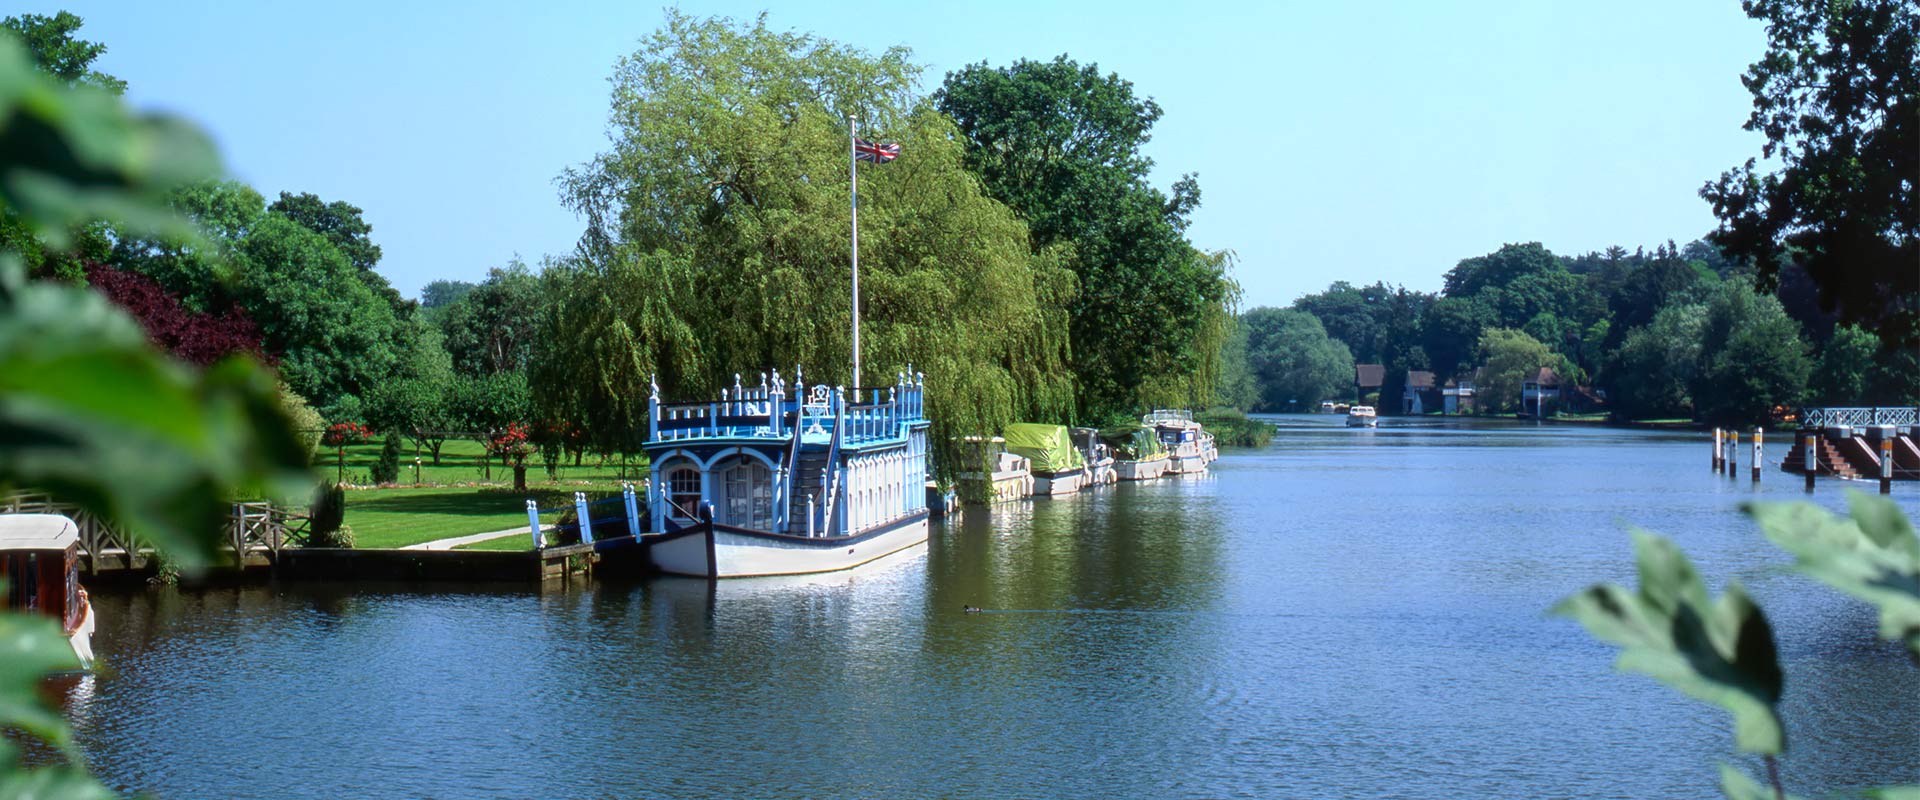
(1345, 613)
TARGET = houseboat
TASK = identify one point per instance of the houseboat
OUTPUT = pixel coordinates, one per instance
(786, 480)
(40, 564)
(1142, 457)
(1058, 467)
(1190, 448)
(1010, 477)
(1362, 417)
(1099, 456)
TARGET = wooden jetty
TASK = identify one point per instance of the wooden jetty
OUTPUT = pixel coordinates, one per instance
(1874, 443)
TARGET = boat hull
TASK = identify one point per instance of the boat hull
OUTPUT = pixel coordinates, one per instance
(1141, 470)
(1059, 483)
(718, 551)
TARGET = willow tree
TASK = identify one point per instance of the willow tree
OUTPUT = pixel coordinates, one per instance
(718, 241)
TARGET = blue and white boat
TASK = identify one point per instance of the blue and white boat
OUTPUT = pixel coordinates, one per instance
(779, 480)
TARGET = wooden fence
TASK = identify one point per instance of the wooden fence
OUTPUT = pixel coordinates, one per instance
(253, 531)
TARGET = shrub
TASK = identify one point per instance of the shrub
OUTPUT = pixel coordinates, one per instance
(387, 468)
(329, 512)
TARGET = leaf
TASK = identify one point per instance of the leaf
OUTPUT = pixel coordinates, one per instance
(65, 783)
(1737, 786)
(31, 647)
(1720, 652)
(1873, 556)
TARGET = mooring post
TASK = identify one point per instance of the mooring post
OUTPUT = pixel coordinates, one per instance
(633, 511)
(1758, 454)
(1733, 451)
(1886, 461)
(1716, 449)
(533, 524)
(1810, 442)
(586, 522)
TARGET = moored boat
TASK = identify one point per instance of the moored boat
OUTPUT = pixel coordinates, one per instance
(1189, 446)
(40, 564)
(1099, 456)
(1141, 457)
(1058, 467)
(777, 481)
(1362, 417)
(1011, 476)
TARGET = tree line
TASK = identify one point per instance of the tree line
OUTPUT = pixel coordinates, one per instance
(1016, 253)
(1807, 292)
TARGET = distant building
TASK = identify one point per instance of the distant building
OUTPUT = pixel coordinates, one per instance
(1419, 394)
(1367, 378)
(1540, 393)
(1457, 396)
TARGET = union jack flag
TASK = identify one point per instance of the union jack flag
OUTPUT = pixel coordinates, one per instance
(871, 153)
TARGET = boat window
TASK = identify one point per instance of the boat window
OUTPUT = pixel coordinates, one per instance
(683, 492)
(749, 494)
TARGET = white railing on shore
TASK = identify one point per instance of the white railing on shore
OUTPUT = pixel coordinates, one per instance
(1878, 415)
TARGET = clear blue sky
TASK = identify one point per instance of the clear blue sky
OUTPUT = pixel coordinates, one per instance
(1334, 141)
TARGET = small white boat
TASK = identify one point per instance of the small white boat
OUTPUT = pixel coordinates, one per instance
(40, 562)
(1190, 447)
(1362, 417)
(1327, 407)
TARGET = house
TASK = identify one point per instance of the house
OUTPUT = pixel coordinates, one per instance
(1540, 392)
(1367, 378)
(1456, 397)
(1419, 395)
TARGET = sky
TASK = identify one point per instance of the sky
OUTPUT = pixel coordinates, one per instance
(1332, 141)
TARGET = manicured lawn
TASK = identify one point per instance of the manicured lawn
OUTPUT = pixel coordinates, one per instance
(464, 461)
(397, 517)
(521, 542)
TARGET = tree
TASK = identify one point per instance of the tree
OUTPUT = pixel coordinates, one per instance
(218, 431)
(418, 399)
(1509, 357)
(1294, 363)
(1837, 96)
(1654, 368)
(1061, 144)
(492, 327)
(55, 51)
(718, 240)
(386, 469)
(1752, 359)
(1236, 387)
(1845, 372)
(1499, 269)
(1450, 333)
(196, 337)
(443, 293)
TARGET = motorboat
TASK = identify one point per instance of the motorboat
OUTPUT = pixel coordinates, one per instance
(40, 565)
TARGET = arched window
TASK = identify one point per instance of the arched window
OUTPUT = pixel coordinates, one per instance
(749, 494)
(683, 491)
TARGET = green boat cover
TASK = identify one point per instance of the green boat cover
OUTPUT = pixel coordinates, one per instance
(1143, 446)
(1046, 445)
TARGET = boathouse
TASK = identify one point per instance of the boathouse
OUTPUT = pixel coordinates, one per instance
(1540, 393)
(1419, 395)
(1367, 378)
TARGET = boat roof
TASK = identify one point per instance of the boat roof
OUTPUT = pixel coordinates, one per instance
(37, 532)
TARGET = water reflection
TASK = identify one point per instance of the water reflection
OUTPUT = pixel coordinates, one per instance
(1343, 614)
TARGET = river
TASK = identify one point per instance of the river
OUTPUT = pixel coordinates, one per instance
(1344, 613)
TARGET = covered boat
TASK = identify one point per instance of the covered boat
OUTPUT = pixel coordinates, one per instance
(1010, 476)
(1141, 457)
(779, 480)
(40, 564)
(1058, 466)
(1190, 447)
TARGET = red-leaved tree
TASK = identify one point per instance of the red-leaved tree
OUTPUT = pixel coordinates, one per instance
(191, 336)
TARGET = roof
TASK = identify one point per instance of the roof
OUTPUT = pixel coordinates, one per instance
(37, 532)
(1369, 376)
(1544, 376)
(1419, 379)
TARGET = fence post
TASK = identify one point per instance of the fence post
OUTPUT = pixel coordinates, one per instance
(633, 511)
(1716, 449)
(586, 521)
(533, 524)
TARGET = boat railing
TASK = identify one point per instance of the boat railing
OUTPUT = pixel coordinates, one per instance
(1164, 415)
(769, 410)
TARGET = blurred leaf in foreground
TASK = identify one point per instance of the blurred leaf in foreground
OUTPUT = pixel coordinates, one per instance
(1721, 652)
(1873, 556)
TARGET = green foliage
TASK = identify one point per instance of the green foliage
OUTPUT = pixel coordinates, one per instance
(1231, 427)
(718, 243)
(328, 512)
(1723, 652)
(1845, 368)
(492, 326)
(55, 51)
(1718, 651)
(87, 407)
(1061, 144)
(1235, 386)
(1450, 333)
(1871, 555)
(307, 423)
(1837, 96)
(1294, 363)
(1654, 369)
(387, 468)
(1509, 357)
(1751, 359)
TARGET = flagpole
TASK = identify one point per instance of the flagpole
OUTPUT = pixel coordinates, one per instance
(853, 174)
